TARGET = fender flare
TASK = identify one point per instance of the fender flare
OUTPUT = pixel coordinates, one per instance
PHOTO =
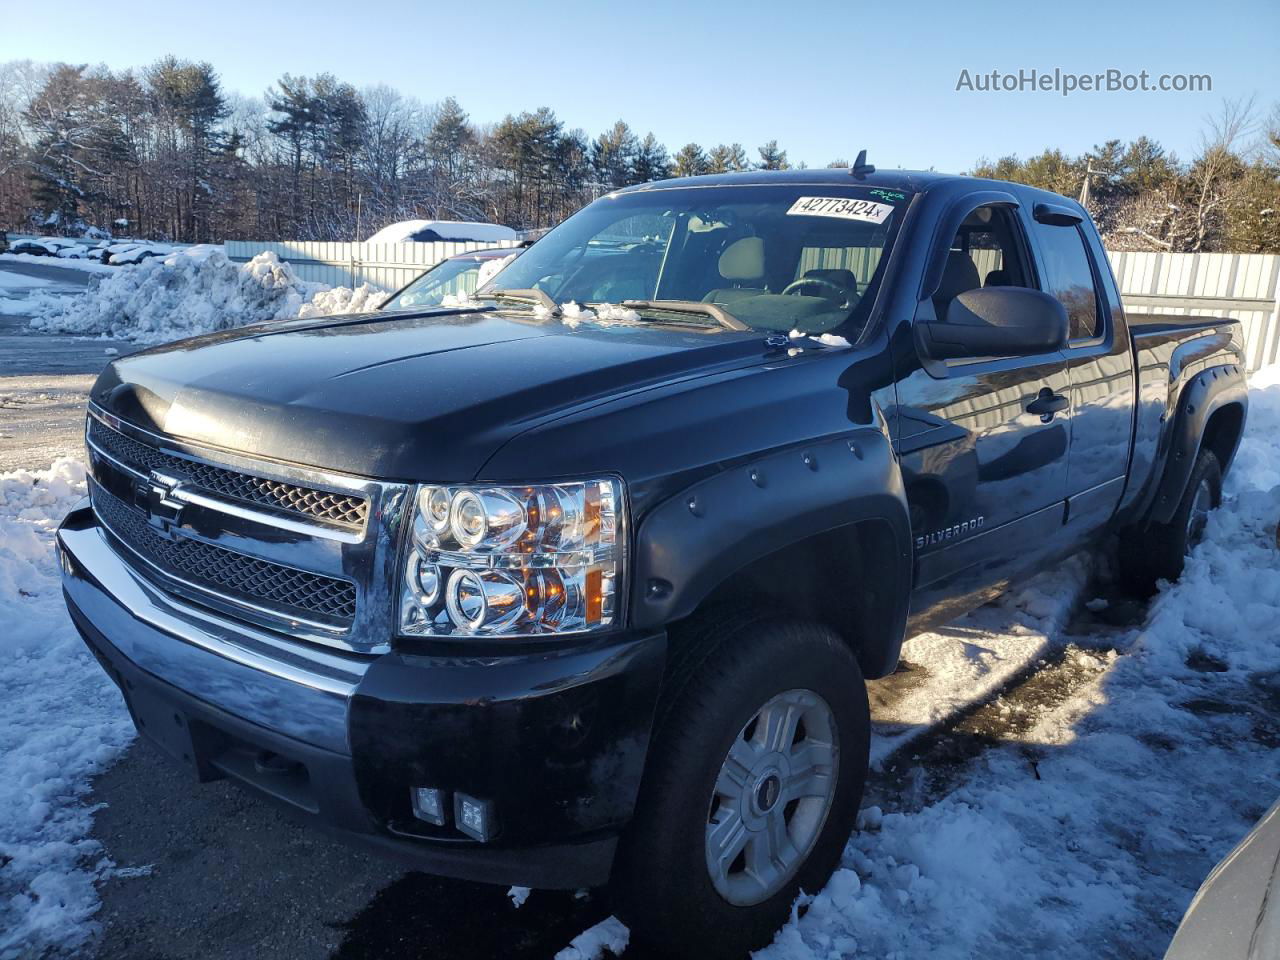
(693, 542)
(1205, 394)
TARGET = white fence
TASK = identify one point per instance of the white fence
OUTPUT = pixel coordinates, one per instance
(386, 265)
(1244, 286)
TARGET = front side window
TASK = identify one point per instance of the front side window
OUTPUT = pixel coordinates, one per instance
(986, 251)
(1069, 277)
(804, 257)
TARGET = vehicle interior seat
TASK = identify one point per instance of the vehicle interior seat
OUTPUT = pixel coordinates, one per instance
(998, 278)
(742, 265)
(960, 274)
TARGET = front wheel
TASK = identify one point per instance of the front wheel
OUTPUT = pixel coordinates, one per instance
(756, 773)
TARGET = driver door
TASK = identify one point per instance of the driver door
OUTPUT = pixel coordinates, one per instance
(985, 478)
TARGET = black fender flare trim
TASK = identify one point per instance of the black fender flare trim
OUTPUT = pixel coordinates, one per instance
(693, 542)
(1205, 394)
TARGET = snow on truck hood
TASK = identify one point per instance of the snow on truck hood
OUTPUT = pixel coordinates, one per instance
(398, 396)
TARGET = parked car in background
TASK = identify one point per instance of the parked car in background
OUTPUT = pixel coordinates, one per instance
(431, 231)
(578, 582)
(135, 253)
(42, 246)
(456, 276)
(1236, 913)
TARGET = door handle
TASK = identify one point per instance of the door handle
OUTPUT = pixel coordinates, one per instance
(1047, 404)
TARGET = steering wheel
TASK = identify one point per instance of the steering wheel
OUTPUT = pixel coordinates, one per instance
(843, 294)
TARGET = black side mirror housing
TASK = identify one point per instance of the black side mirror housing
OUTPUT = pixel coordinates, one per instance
(995, 322)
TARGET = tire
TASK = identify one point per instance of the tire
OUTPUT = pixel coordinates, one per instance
(730, 687)
(1159, 552)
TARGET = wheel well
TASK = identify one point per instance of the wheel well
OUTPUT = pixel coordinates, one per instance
(832, 578)
(1222, 433)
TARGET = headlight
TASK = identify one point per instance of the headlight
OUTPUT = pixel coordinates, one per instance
(513, 561)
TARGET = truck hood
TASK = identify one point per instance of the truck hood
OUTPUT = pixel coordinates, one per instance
(399, 396)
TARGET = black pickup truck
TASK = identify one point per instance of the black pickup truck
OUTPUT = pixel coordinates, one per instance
(578, 582)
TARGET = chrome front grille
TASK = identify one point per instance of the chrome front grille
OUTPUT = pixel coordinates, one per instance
(311, 554)
(338, 508)
(290, 591)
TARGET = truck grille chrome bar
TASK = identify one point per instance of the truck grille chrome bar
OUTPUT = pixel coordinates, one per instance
(202, 564)
(310, 554)
(337, 508)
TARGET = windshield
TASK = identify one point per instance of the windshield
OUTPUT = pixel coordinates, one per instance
(457, 277)
(803, 256)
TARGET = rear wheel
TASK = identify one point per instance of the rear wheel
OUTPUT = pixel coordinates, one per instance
(756, 773)
(1160, 551)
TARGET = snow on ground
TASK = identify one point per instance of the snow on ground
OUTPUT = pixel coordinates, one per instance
(1088, 837)
(16, 288)
(18, 281)
(192, 291)
(1084, 836)
(968, 660)
(63, 723)
(64, 263)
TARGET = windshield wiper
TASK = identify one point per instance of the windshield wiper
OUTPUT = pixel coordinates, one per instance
(537, 296)
(713, 310)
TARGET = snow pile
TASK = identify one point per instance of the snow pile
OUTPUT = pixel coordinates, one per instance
(335, 300)
(610, 935)
(194, 291)
(519, 895)
(1088, 836)
(63, 722)
(603, 315)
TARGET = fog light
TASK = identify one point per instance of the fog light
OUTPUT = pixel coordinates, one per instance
(428, 804)
(473, 817)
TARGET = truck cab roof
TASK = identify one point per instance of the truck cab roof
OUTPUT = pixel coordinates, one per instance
(914, 181)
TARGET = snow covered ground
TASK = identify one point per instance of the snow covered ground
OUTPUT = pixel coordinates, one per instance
(63, 722)
(1081, 830)
(17, 288)
(194, 290)
(1086, 832)
(1088, 835)
(66, 263)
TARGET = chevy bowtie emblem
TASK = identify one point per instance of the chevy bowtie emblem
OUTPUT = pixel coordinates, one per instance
(163, 509)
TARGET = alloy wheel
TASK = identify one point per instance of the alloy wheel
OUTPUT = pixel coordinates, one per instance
(771, 797)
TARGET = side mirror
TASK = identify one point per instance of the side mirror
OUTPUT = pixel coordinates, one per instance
(995, 322)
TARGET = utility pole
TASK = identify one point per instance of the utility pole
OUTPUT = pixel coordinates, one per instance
(1088, 174)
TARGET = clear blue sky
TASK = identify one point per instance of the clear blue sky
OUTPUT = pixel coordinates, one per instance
(825, 78)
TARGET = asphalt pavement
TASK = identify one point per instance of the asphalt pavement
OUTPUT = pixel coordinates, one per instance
(44, 380)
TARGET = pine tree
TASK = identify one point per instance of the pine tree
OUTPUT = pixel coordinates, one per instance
(690, 161)
(728, 158)
(771, 158)
(613, 155)
(651, 161)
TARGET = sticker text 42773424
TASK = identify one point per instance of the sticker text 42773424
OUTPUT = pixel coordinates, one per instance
(845, 208)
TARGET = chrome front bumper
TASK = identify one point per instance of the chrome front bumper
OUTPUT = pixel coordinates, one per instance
(556, 741)
(299, 692)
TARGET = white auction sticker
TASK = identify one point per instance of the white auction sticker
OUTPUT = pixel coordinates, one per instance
(842, 207)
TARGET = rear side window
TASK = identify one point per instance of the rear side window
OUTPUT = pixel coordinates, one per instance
(1068, 276)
